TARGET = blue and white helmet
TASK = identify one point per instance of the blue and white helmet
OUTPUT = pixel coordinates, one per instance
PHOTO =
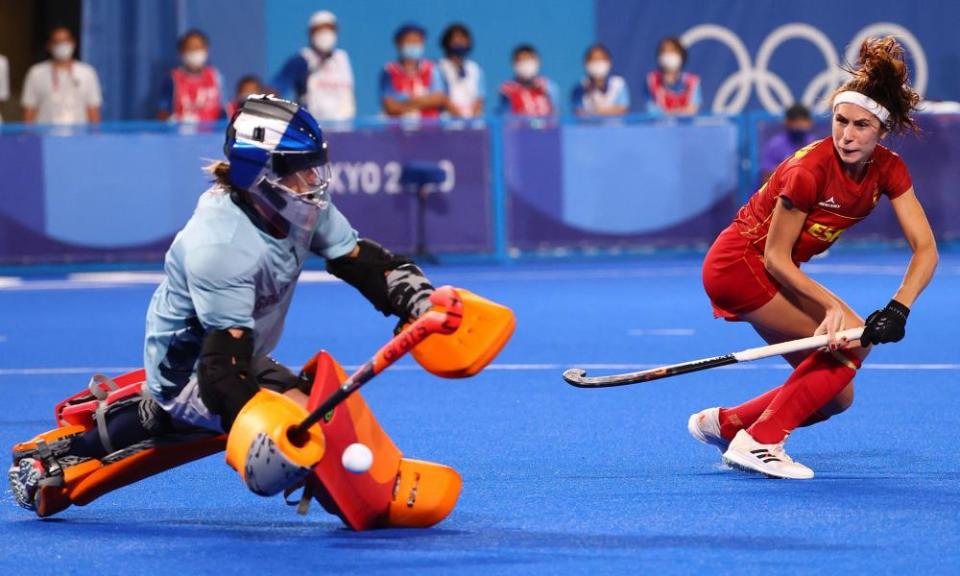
(270, 140)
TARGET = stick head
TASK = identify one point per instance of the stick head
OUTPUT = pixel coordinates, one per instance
(574, 376)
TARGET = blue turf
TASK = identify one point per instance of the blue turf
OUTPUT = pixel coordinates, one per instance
(556, 480)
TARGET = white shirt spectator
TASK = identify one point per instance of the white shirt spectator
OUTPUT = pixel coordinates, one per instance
(329, 94)
(4, 81)
(463, 88)
(61, 96)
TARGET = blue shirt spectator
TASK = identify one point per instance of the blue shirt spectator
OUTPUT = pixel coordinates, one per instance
(599, 93)
(796, 134)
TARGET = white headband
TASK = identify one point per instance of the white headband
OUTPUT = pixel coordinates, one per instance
(863, 101)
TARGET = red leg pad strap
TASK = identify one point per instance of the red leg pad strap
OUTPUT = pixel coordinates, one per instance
(80, 409)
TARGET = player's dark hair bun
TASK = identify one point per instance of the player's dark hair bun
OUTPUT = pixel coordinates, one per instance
(882, 74)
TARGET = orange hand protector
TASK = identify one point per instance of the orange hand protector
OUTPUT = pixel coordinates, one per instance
(484, 331)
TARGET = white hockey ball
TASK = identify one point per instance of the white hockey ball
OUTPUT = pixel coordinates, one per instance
(357, 458)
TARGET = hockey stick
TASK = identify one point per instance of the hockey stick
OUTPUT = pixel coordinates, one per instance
(434, 322)
(578, 377)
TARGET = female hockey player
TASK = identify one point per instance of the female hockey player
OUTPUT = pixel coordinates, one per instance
(219, 312)
(752, 272)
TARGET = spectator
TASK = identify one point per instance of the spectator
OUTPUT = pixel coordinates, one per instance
(670, 90)
(796, 134)
(193, 91)
(61, 90)
(4, 81)
(599, 93)
(320, 76)
(246, 86)
(528, 94)
(411, 86)
(462, 78)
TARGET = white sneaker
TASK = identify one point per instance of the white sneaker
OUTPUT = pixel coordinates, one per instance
(705, 427)
(747, 454)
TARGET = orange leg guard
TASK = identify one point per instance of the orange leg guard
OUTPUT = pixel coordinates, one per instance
(395, 491)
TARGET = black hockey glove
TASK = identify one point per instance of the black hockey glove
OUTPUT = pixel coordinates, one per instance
(887, 325)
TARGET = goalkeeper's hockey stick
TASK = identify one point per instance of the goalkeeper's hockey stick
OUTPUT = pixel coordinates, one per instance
(443, 320)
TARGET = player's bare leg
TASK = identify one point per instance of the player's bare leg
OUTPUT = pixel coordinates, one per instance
(787, 316)
(758, 446)
(782, 322)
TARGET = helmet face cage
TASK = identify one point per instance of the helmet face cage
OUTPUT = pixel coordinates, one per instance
(310, 186)
(312, 171)
(295, 213)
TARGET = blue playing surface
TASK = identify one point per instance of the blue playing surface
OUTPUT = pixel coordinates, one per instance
(556, 479)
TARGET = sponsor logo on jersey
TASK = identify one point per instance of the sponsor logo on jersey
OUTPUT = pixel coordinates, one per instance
(829, 203)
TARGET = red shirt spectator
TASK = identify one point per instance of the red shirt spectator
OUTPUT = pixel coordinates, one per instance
(193, 91)
(411, 86)
(528, 94)
(246, 86)
(670, 90)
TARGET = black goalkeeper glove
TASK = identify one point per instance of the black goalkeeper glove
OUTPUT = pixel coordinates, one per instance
(887, 325)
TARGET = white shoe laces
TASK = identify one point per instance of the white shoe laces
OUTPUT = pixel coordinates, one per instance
(778, 451)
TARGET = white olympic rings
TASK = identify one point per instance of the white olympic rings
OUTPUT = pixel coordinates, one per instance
(774, 94)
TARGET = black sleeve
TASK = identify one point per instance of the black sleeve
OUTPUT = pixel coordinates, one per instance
(367, 272)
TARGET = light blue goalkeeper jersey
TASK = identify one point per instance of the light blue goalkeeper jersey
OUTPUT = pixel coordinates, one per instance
(223, 272)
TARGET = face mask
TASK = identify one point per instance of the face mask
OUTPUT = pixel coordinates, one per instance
(670, 61)
(796, 136)
(62, 51)
(458, 50)
(598, 69)
(526, 69)
(195, 59)
(411, 51)
(324, 40)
